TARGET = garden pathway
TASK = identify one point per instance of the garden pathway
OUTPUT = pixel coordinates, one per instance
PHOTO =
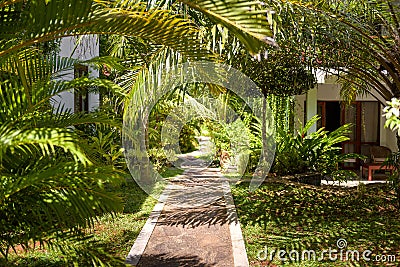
(194, 223)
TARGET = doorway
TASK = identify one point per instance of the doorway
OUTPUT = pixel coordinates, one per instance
(363, 115)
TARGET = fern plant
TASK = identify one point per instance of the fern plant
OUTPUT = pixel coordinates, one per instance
(318, 151)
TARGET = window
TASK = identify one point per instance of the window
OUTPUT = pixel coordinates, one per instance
(81, 96)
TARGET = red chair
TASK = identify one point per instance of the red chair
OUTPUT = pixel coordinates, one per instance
(378, 155)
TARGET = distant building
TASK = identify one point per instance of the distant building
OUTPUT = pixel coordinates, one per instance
(365, 113)
(84, 48)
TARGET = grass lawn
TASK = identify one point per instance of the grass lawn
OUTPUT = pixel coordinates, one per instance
(294, 218)
(114, 235)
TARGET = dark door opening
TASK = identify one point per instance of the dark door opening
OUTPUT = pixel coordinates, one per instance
(332, 116)
(81, 96)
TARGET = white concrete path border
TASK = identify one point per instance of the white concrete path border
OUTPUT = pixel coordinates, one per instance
(143, 238)
(351, 183)
(238, 247)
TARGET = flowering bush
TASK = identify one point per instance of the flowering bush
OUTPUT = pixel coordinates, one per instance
(392, 114)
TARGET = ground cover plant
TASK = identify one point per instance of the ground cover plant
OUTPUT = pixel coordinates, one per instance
(290, 216)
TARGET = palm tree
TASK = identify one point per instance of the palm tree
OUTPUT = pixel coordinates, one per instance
(25, 24)
(357, 40)
(146, 60)
(49, 183)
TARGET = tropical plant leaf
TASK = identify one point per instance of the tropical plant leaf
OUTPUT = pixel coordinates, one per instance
(39, 22)
(45, 139)
(246, 20)
(48, 182)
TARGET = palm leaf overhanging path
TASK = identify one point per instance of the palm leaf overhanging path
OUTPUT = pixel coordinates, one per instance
(26, 23)
(48, 180)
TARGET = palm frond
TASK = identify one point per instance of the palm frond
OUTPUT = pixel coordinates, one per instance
(351, 88)
(38, 22)
(357, 39)
(49, 184)
(246, 20)
(44, 139)
(63, 196)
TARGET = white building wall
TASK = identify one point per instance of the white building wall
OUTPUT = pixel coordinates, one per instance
(311, 106)
(388, 137)
(83, 48)
(299, 110)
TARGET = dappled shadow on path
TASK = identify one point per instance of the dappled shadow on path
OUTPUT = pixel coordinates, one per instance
(167, 260)
(216, 213)
(193, 228)
(198, 198)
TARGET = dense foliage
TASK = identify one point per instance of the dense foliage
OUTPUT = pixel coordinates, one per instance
(356, 40)
(318, 151)
(279, 72)
(52, 181)
(157, 119)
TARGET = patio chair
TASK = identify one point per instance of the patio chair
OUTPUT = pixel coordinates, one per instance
(378, 155)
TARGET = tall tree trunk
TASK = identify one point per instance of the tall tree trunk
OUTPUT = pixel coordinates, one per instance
(398, 140)
(264, 134)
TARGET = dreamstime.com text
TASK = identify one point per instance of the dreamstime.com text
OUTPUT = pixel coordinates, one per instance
(340, 253)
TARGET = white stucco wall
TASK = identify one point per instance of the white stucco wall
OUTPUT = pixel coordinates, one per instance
(388, 137)
(299, 110)
(84, 48)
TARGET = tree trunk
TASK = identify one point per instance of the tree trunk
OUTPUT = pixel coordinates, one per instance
(264, 136)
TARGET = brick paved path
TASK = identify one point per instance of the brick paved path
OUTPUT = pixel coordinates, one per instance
(194, 224)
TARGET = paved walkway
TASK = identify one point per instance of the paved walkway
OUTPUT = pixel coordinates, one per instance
(194, 223)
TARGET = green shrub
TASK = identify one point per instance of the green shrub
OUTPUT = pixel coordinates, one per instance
(187, 137)
(240, 139)
(319, 151)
